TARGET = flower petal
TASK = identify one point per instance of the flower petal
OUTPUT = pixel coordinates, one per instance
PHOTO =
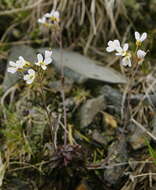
(56, 14)
(42, 20)
(110, 43)
(29, 78)
(48, 60)
(119, 49)
(30, 81)
(116, 43)
(44, 67)
(125, 47)
(39, 57)
(129, 62)
(48, 15)
(143, 37)
(126, 61)
(31, 71)
(37, 63)
(110, 49)
(12, 63)
(21, 59)
(48, 53)
(11, 69)
(137, 36)
(26, 77)
(141, 54)
(118, 54)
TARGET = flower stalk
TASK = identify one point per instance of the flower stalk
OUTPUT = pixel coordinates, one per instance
(129, 59)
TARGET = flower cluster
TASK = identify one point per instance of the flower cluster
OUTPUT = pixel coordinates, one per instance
(18, 65)
(50, 19)
(30, 69)
(123, 52)
(45, 60)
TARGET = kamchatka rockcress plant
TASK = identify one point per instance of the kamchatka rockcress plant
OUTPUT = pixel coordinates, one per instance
(125, 54)
(28, 69)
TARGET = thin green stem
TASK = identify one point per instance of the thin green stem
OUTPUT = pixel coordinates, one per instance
(59, 41)
(62, 91)
(45, 106)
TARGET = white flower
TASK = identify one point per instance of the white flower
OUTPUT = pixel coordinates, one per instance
(44, 61)
(50, 18)
(113, 45)
(53, 15)
(29, 78)
(42, 20)
(126, 56)
(22, 61)
(122, 51)
(141, 55)
(140, 38)
(126, 61)
(15, 66)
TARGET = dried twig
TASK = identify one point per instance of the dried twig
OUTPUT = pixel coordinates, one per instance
(104, 166)
(8, 12)
(143, 128)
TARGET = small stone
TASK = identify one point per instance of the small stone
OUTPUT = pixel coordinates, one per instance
(80, 68)
(56, 86)
(98, 137)
(89, 110)
(113, 98)
(117, 153)
(136, 137)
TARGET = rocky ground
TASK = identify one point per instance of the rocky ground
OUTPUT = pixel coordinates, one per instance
(103, 153)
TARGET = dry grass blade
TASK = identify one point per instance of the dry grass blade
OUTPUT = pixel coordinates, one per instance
(143, 128)
(86, 22)
(109, 8)
(8, 12)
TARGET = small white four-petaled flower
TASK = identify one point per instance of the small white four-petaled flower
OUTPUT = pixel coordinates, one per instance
(140, 38)
(44, 61)
(122, 51)
(126, 61)
(126, 56)
(29, 78)
(53, 15)
(113, 45)
(15, 66)
(141, 55)
(50, 18)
